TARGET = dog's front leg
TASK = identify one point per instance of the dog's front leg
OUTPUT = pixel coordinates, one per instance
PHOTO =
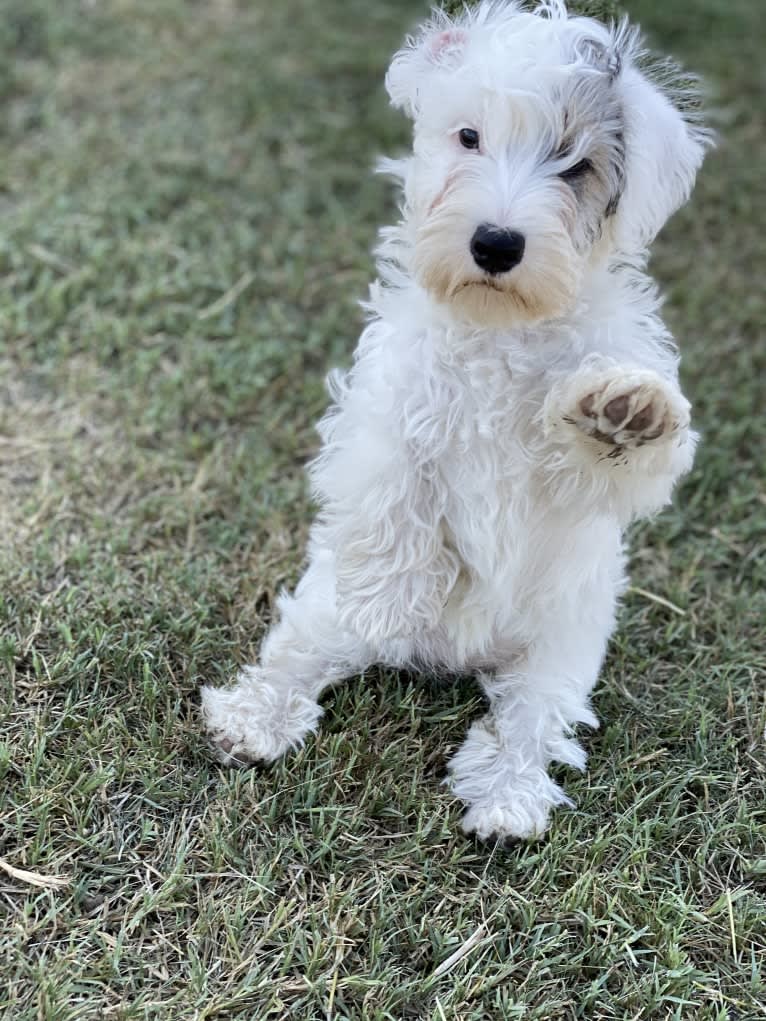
(626, 432)
(536, 699)
(501, 770)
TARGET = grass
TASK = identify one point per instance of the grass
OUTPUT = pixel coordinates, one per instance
(187, 216)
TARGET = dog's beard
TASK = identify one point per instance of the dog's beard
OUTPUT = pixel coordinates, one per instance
(543, 286)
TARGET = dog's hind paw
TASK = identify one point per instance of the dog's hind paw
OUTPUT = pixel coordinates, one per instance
(255, 721)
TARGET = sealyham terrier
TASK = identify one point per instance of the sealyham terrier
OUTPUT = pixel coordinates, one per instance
(513, 403)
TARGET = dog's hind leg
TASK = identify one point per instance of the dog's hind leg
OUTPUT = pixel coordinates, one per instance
(273, 706)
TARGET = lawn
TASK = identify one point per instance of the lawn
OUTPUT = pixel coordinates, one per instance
(187, 217)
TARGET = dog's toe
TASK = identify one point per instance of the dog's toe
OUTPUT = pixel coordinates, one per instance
(506, 823)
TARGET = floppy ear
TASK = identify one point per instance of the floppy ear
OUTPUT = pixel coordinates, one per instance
(664, 148)
(439, 47)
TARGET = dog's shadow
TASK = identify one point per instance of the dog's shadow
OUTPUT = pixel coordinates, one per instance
(424, 715)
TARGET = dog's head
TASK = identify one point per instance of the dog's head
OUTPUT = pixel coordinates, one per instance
(540, 149)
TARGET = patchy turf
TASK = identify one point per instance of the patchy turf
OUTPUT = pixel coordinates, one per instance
(187, 215)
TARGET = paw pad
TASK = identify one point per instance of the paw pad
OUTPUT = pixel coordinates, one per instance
(617, 409)
(629, 410)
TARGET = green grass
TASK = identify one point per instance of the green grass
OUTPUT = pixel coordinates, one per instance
(187, 216)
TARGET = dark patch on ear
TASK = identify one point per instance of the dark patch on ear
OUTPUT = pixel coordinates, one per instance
(601, 57)
(613, 64)
(619, 168)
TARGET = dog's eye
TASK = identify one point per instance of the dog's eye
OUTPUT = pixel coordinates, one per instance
(469, 138)
(578, 170)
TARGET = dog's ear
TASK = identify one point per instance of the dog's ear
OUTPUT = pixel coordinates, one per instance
(664, 145)
(439, 47)
(602, 56)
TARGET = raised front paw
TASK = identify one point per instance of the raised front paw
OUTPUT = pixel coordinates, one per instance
(626, 408)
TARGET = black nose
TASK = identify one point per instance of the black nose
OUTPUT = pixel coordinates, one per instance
(496, 250)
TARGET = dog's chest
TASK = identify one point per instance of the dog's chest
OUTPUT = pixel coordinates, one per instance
(488, 426)
(488, 416)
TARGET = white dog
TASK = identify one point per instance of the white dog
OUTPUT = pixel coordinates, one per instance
(513, 404)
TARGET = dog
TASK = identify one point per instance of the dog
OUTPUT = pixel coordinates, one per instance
(513, 403)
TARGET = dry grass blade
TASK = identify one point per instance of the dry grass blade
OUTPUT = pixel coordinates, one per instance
(228, 298)
(461, 952)
(660, 600)
(34, 878)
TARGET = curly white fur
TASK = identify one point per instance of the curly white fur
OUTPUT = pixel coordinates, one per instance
(497, 432)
